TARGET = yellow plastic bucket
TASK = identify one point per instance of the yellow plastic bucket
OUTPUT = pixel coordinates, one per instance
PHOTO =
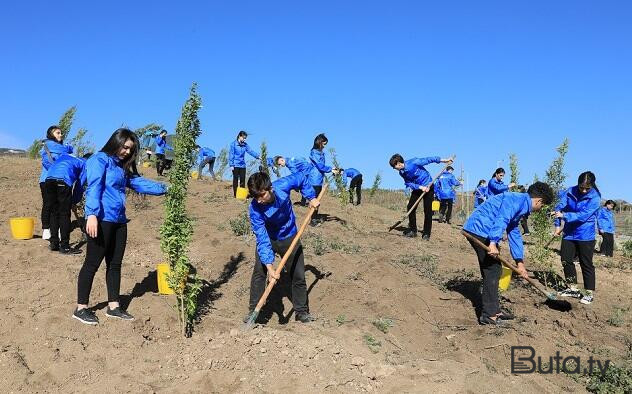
(22, 228)
(242, 193)
(194, 175)
(505, 279)
(146, 164)
(436, 205)
(162, 270)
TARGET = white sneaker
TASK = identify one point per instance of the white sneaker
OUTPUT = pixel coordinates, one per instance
(588, 298)
(46, 234)
(570, 292)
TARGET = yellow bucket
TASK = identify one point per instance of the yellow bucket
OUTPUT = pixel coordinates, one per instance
(194, 175)
(436, 205)
(162, 270)
(242, 193)
(22, 228)
(146, 164)
(505, 279)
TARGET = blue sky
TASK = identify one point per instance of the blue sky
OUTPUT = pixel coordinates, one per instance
(477, 79)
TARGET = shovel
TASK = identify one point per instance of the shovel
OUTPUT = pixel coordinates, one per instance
(255, 313)
(551, 297)
(420, 197)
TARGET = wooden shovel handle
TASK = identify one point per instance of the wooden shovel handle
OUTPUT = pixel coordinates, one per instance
(504, 262)
(422, 196)
(289, 251)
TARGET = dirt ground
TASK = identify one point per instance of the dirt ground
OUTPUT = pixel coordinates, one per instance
(425, 292)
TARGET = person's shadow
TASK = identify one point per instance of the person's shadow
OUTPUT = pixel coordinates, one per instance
(149, 284)
(210, 290)
(469, 289)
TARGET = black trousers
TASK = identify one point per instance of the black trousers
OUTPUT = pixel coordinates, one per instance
(317, 190)
(59, 196)
(445, 209)
(109, 244)
(160, 163)
(427, 202)
(356, 183)
(211, 162)
(45, 215)
(239, 175)
(491, 269)
(607, 244)
(585, 250)
(295, 267)
(525, 225)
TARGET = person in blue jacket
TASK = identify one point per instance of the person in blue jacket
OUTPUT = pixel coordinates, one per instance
(577, 208)
(274, 224)
(161, 146)
(444, 188)
(237, 159)
(495, 185)
(480, 194)
(487, 223)
(206, 156)
(52, 147)
(419, 181)
(66, 172)
(108, 174)
(318, 170)
(356, 184)
(606, 225)
(296, 165)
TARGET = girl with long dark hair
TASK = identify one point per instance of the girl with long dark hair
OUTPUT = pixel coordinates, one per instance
(319, 169)
(109, 173)
(577, 208)
(237, 159)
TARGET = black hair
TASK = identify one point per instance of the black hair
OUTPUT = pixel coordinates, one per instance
(499, 170)
(481, 182)
(449, 168)
(163, 131)
(49, 132)
(587, 178)
(276, 160)
(242, 134)
(395, 159)
(614, 204)
(116, 141)
(258, 183)
(541, 190)
(319, 141)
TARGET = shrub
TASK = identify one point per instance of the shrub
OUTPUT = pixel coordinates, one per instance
(626, 248)
(615, 380)
(240, 225)
(383, 324)
(373, 344)
(222, 163)
(339, 180)
(376, 184)
(617, 317)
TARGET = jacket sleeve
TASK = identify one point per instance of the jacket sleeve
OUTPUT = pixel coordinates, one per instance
(454, 181)
(497, 187)
(427, 160)
(145, 186)
(264, 246)
(77, 191)
(319, 161)
(409, 184)
(602, 220)
(582, 216)
(231, 154)
(95, 180)
(46, 163)
(516, 246)
(252, 152)
(561, 204)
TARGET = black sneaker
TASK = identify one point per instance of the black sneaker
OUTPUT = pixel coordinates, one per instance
(425, 237)
(86, 316)
(410, 234)
(68, 250)
(53, 246)
(499, 322)
(118, 313)
(506, 315)
(304, 317)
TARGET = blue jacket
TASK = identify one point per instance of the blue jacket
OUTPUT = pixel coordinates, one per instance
(414, 173)
(71, 170)
(499, 213)
(480, 195)
(237, 154)
(161, 145)
(106, 183)
(205, 153)
(605, 220)
(444, 186)
(580, 213)
(316, 174)
(276, 221)
(496, 187)
(56, 149)
(298, 164)
(351, 173)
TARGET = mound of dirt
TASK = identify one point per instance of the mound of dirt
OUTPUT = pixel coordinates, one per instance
(394, 314)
